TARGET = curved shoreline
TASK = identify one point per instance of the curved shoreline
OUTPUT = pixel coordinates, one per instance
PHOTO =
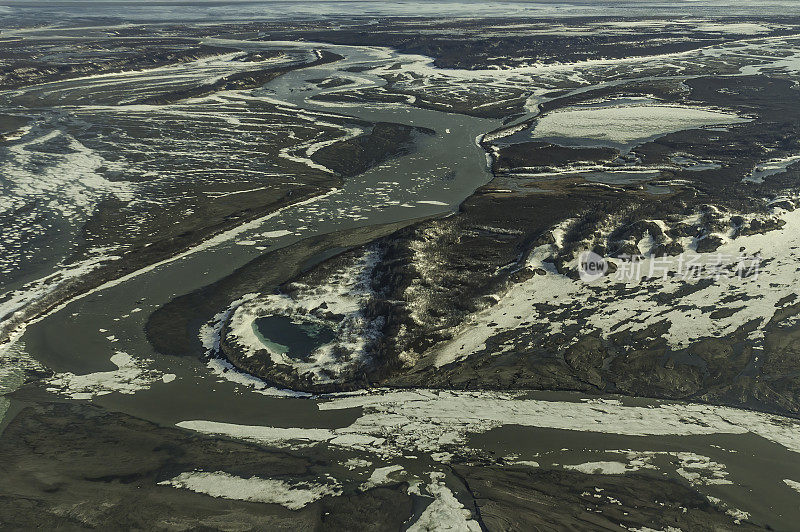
(61, 297)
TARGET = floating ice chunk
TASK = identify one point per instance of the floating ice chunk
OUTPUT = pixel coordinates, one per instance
(276, 234)
(445, 512)
(130, 377)
(255, 489)
(381, 476)
(528, 463)
(792, 484)
(605, 468)
(357, 463)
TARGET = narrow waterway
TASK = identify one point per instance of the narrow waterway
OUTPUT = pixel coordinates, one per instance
(432, 181)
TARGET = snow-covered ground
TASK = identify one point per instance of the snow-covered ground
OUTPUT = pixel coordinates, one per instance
(392, 424)
(754, 297)
(338, 303)
(445, 512)
(770, 167)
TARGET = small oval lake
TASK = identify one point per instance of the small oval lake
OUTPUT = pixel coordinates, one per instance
(294, 339)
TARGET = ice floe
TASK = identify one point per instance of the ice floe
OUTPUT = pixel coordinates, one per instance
(381, 476)
(605, 468)
(625, 124)
(792, 484)
(130, 376)
(254, 489)
(394, 423)
(697, 469)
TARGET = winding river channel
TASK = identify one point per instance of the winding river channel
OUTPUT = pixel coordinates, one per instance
(71, 340)
(82, 336)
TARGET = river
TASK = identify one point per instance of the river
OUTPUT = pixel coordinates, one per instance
(82, 336)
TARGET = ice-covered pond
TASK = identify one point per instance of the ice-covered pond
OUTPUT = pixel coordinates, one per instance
(624, 123)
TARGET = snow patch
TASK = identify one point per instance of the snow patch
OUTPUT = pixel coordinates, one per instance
(536, 298)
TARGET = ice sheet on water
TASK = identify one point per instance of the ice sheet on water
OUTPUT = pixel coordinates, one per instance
(131, 376)
(293, 496)
(617, 125)
(394, 423)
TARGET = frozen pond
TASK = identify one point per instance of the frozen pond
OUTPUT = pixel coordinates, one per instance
(289, 337)
(625, 125)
